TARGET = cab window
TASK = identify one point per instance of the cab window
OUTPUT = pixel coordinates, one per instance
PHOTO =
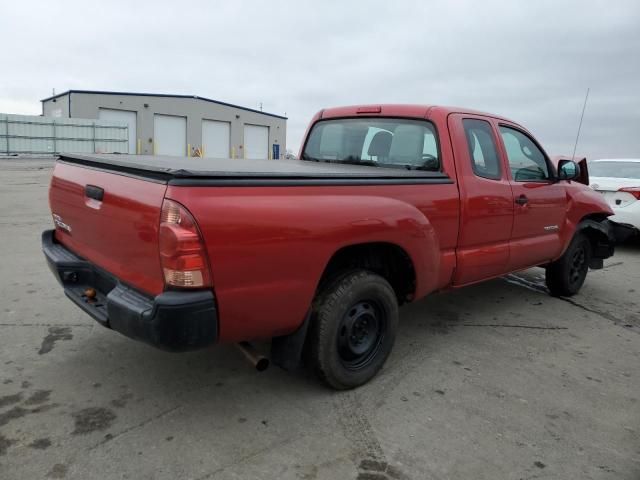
(482, 148)
(526, 161)
(399, 143)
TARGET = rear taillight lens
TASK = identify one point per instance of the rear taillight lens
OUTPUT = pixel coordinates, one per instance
(635, 191)
(182, 253)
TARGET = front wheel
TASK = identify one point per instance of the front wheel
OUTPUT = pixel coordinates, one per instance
(353, 329)
(565, 276)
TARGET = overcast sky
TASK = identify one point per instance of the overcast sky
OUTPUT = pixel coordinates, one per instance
(529, 61)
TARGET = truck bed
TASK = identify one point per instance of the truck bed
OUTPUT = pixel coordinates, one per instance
(190, 170)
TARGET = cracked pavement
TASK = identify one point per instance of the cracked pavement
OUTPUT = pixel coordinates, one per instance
(494, 381)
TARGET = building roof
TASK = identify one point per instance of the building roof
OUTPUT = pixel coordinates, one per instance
(134, 94)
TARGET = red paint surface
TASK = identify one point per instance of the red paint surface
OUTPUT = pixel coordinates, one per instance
(119, 234)
(268, 246)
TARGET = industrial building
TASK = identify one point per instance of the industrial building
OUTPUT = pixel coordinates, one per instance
(181, 125)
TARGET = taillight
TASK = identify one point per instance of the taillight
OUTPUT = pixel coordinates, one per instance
(182, 254)
(635, 191)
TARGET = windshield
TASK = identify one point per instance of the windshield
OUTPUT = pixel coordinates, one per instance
(377, 142)
(615, 169)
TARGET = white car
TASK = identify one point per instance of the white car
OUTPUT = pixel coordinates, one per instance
(619, 181)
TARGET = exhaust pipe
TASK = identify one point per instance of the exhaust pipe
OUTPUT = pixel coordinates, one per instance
(255, 358)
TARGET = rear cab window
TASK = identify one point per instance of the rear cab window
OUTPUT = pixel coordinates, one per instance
(378, 142)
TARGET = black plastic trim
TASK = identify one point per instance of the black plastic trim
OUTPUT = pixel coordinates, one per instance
(305, 182)
(286, 351)
(264, 180)
(604, 241)
(117, 170)
(174, 320)
(623, 231)
(94, 192)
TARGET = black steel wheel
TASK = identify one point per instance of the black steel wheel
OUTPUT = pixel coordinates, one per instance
(361, 332)
(565, 276)
(578, 266)
(352, 329)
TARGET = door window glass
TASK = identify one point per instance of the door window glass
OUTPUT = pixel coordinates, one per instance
(482, 148)
(526, 161)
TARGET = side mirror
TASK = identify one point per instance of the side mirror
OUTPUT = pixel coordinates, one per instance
(568, 170)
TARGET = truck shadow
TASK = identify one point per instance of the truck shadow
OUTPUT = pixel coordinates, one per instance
(499, 302)
(222, 368)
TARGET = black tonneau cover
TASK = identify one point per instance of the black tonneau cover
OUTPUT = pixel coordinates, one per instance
(183, 170)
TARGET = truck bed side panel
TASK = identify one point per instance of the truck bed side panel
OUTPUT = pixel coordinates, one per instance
(268, 246)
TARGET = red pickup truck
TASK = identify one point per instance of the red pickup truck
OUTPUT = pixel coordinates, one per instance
(387, 204)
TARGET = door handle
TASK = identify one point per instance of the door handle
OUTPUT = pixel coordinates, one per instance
(96, 193)
(522, 200)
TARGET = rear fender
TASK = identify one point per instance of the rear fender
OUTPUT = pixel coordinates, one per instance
(269, 247)
(396, 223)
(400, 224)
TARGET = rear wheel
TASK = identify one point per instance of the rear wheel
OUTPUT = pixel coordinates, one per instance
(565, 276)
(353, 329)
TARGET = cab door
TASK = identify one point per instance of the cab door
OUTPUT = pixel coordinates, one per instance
(486, 200)
(540, 203)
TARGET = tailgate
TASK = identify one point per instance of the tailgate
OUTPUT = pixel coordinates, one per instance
(111, 220)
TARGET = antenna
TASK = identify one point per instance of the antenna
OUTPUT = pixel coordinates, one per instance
(580, 125)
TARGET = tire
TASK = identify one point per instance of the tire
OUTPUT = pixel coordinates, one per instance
(353, 329)
(565, 276)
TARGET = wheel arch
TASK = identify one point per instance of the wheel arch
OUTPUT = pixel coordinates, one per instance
(389, 260)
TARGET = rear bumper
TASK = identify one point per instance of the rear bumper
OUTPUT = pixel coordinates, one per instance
(629, 215)
(174, 321)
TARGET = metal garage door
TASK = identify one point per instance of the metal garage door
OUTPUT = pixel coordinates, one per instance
(256, 141)
(124, 116)
(170, 135)
(215, 138)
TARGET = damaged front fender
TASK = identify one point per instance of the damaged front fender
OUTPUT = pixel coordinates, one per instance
(601, 235)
